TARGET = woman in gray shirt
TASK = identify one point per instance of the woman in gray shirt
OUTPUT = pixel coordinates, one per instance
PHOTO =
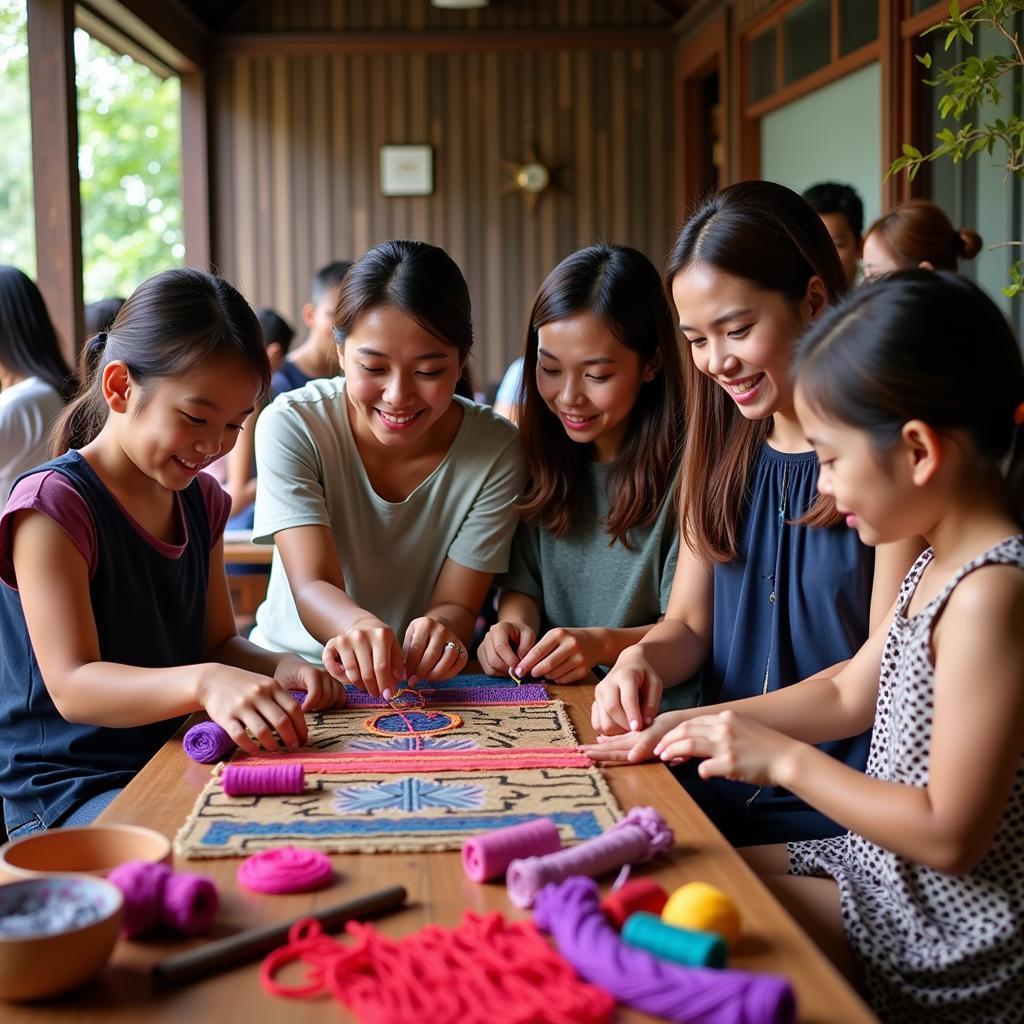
(391, 500)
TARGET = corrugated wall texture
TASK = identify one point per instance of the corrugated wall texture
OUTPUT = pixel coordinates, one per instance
(296, 150)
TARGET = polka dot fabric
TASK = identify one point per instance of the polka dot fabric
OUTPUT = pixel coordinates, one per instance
(932, 947)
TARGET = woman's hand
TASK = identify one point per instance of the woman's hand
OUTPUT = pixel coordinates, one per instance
(244, 703)
(562, 655)
(631, 747)
(627, 698)
(366, 655)
(323, 691)
(504, 646)
(432, 651)
(733, 747)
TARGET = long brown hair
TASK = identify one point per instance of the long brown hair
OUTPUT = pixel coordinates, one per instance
(769, 236)
(919, 232)
(621, 288)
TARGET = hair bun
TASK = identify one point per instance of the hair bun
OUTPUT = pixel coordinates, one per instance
(967, 243)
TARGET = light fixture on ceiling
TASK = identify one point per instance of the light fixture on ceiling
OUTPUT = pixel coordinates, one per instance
(459, 5)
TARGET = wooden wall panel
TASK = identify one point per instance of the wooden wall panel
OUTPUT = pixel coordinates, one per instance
(384, 15)
(297, 142)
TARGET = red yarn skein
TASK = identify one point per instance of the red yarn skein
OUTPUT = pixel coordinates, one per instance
(636, 895)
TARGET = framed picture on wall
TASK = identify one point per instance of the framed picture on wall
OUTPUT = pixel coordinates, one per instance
(406, 170)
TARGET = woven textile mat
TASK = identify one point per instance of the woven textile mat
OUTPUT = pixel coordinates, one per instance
(507, 726)
(351, 811)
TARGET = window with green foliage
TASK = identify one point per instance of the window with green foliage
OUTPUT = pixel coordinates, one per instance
(129, 160)
(129, 157)
(17, 219)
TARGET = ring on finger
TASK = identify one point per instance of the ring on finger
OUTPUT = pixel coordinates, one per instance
(450, 644)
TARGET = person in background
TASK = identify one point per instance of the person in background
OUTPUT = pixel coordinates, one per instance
(115, 616)
(317, 356)
(917, 234)
(35, 382)
(240, 463)
(842, 213)
(602, 429)
(99, 315)
(508, 399)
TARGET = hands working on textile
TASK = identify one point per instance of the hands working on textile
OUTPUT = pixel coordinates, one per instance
(257, 711)
(561, 655)
(732, 746)
(627, 698)
(367, 655)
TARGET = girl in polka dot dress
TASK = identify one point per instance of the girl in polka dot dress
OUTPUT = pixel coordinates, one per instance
(912, 393)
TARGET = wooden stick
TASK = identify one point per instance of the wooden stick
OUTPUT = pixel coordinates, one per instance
(248, 945)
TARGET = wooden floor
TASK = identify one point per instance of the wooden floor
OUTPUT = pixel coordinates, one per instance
(163, 793)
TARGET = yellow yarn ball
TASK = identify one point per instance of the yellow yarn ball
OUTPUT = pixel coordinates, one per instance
(703, 908)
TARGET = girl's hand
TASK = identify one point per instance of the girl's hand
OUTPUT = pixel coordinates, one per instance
(366, 655)
(626, 699)
(432, 651)
(734, 748)
(631, 747)
(243, 702)
(504, 647)
(323, 691)
(562, 655)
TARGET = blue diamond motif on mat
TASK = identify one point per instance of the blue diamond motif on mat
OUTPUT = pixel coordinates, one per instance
(408, 795)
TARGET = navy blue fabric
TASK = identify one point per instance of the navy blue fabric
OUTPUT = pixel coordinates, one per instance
(287, 378)
(150, 611)
(821, 579)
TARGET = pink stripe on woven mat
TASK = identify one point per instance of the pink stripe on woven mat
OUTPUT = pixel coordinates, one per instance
(527, 693)
(432, 760)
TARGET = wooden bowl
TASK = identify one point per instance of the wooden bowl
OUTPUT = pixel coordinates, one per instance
(93, 849)
(56, 932)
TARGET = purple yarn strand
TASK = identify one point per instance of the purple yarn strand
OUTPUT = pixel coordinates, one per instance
(571, 913)
(641, 835)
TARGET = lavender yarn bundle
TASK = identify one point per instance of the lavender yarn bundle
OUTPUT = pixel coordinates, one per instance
(571, 913)
(641, 835)
(155, 896)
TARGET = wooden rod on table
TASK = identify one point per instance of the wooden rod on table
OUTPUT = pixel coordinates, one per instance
(247, 945)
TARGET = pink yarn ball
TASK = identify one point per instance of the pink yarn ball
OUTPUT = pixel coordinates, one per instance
(288, 869)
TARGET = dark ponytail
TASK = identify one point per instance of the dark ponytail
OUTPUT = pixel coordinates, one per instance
(922, 345)
(172, 323)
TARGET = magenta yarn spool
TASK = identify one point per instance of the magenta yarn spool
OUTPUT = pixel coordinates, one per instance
(488, 855)
(288, 869)
(259, 780)
(155, 896)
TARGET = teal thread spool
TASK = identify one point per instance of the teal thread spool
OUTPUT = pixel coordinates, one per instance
(680, 945)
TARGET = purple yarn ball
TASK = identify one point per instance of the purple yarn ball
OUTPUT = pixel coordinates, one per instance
(154, 895)
(207, 742)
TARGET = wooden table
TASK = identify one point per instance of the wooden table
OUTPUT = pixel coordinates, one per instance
(162, 794)
(244, 552)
